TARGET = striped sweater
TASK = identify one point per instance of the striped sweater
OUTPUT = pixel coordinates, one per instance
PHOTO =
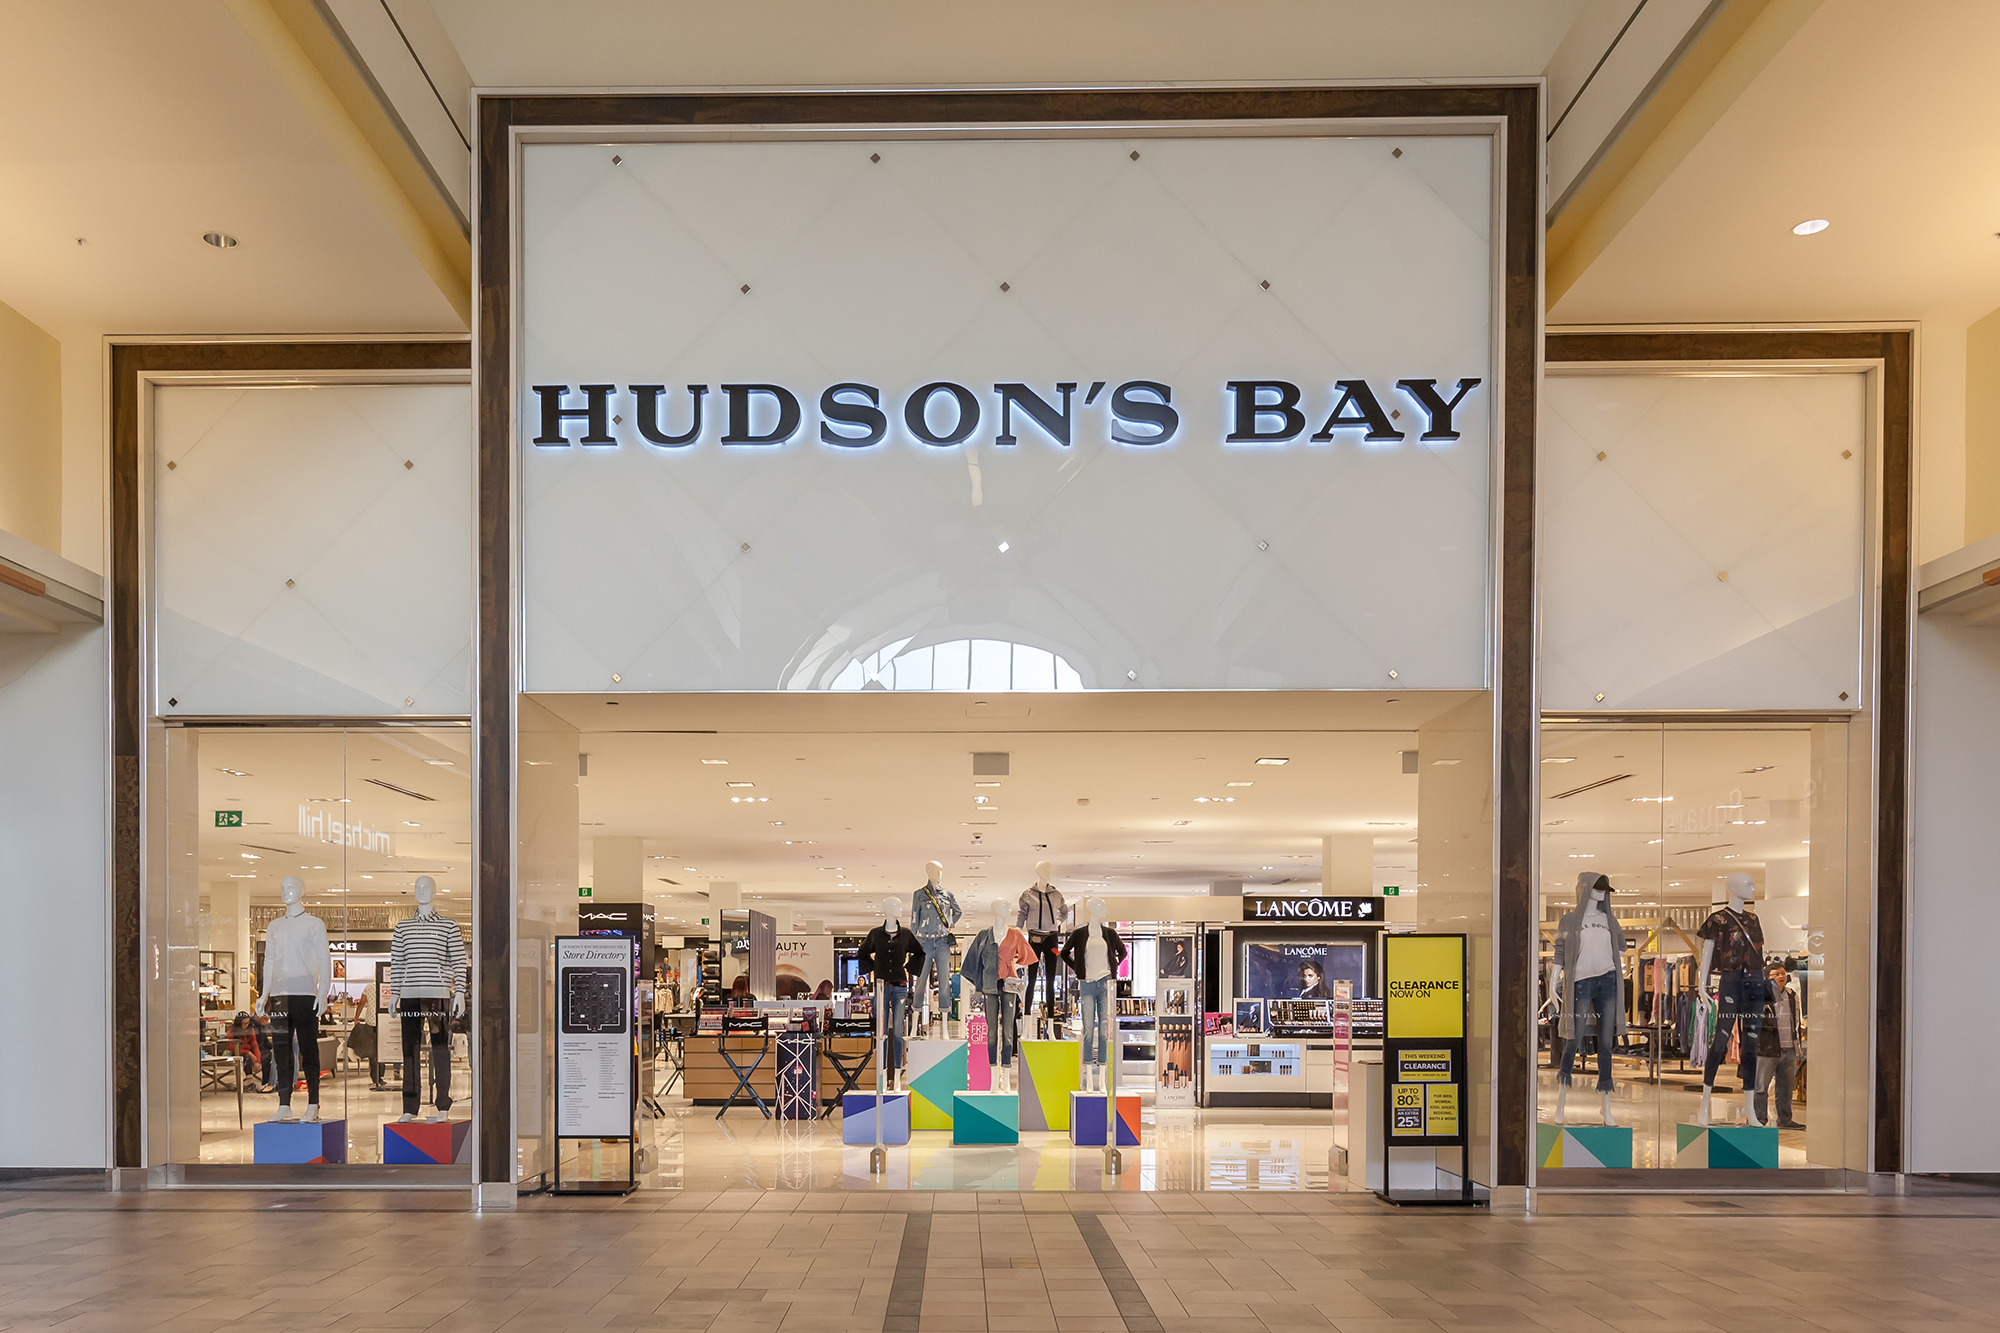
(427, 959)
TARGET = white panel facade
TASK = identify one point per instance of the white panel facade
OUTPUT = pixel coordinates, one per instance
(1702, 541)
(55, 962)
(313, 549)
(1185, 563)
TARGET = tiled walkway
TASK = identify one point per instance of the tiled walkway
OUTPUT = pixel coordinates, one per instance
(193, 1261)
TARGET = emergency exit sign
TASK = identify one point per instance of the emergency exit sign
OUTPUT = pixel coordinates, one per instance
(229, 819)
(1392, 890)
(583, 891)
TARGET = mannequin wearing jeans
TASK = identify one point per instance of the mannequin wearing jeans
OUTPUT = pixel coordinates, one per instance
(889, 954)
(1094, 953)
(297, 975)
(1733, 940)
(933, 912)
(994, 958)
(1040, 914)
(427, 985)
(1590, 954)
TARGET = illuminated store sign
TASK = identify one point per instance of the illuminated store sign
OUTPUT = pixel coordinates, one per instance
(944, 414)
(1312, 909)
(327, 827)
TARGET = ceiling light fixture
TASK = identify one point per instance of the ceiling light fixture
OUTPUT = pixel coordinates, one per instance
(233, 772)
(739, 784)
(1811, 227)
(1274, 762)
(224, 241)
(411, 823)
(1558, 758)
(250, 856)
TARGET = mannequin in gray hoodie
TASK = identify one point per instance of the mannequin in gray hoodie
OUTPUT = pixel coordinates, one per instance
(1590, 967)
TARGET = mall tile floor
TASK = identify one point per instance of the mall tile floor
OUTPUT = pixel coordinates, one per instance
(191, 1261)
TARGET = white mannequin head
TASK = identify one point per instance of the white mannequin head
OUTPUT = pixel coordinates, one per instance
(1096, 912)
(892, 913)
(934, 874)
(1043, 870)
(293, 891)
(426, 890)
(1742, 889)
(1001, 907)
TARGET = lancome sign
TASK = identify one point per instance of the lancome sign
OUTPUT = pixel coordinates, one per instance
(1102, 413)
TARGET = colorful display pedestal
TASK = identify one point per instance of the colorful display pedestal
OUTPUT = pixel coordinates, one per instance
(440, 1143)
(1049, 1072)
(932, 1072)
(1583, 1145)
(1087, 1128)
(857, 1118)
(986, 1117)
(295, 1143)
(978, 1073)
(1726, 1147)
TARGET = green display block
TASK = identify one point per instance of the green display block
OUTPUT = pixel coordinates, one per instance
(1726, 1147)
(986, 1117)
(1583, 1146)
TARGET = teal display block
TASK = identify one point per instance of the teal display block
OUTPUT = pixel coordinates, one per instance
(1087, 1129)
(1583, 1146)
(1726, 1147)
(857, 1118)
(296, 1143)
(985, 1117)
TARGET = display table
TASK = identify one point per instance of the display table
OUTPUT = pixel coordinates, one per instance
(1258, 1071)
(707, 1081)
(932, 1072)
(857, 1118)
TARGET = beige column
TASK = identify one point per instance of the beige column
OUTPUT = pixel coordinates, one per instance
(617, 870)
(1347, 865)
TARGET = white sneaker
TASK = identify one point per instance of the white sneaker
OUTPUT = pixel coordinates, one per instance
(437, 1119)
(311, 1117)
(408, 1119)
(283, 1117)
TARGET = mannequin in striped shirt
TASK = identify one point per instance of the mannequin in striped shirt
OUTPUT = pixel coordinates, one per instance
(427, 986)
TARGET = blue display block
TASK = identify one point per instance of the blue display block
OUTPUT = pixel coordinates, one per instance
(985, 1117)
(857, 1118)
(295, 1143)
(1086, 1120)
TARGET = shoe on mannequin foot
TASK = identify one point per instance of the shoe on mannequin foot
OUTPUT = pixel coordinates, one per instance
(408, 1118)
(1607, 1111)
(1701, 1116)
(283, 1116)
(311, 1117)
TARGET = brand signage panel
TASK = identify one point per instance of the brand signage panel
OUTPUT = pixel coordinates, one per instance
(1360, 911)
(1007, 414)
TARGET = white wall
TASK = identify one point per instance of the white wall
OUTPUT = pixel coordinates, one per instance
(1953, 1074)
(55, 1092)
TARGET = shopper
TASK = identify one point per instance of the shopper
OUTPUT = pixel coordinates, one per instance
(1778, 1039)
(366, 1036)
(242, 1043)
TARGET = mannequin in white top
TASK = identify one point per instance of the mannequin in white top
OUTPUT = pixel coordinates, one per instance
(1588, 933)
(1094, 952)
(1739, 931)
(297, 973)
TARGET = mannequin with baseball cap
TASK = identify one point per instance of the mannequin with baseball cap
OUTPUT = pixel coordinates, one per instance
(1590, 967)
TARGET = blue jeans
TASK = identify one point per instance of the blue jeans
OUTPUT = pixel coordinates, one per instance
(896, 1014)
(1003, 1035)
(1093, 1010)
(1739, 999)
(1597, 1001)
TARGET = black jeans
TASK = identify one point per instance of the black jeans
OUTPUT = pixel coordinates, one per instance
(415, 1013)
(1045, 947)
(296, 1016)
(1739, 1001)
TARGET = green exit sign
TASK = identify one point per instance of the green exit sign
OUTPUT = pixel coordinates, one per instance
(1392, 890)
(583, 891)
(229, 819)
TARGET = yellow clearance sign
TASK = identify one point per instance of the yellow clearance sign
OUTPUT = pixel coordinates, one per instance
(1426, 985)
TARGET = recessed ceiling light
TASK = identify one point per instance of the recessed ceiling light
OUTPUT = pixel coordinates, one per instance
(1003, 548)
(715, 761)
(233, 772)
(777, 823)
(446, 763)
(691, 870)
(1274, 761)
(1558, 758)
(985, 784)
(250, 856)
(1182, 823)
(224, 241)
(739, 784)
(1811, 227)
(411, 823)
(1238, 784)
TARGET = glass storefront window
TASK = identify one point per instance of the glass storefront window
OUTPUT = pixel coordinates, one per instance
(292, 856)
(1724, 843)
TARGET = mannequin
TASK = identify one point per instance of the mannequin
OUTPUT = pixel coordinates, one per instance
(992, 960)
(427, 985)
(296, 974)
(1040, 914)
(1733, 939)
(889, 954)
(1094, 952)
(1590, 970)
(933, 912)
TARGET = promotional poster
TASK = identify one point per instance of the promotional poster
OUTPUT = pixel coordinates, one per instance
(1303, 971)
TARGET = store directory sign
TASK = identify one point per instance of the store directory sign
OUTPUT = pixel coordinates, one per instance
(1135, 412)
(594, 1037)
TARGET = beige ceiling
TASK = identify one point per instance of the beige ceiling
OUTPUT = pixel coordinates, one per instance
(138, 127)
(861, 790)
(645, 43)
(1875, 116)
